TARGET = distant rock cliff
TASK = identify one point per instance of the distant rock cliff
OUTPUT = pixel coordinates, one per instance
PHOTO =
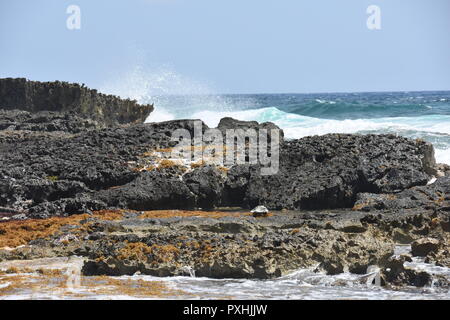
(34, 96)
(339, 202)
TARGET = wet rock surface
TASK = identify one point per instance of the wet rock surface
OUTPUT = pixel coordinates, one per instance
(423, 247)
(397, 274)
(34, 96)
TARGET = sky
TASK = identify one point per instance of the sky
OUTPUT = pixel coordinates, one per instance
(231, 46)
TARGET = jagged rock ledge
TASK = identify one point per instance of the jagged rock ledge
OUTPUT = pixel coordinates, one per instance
(72, 98)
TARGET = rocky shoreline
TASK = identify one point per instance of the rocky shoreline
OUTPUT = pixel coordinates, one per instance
(82, 175)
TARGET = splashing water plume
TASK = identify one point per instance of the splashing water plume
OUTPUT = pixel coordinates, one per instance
(174, 95)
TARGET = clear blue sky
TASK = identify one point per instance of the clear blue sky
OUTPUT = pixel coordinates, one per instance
(234, 46)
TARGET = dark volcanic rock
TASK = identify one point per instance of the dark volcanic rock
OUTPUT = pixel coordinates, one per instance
(236, 185)
(55, 151)
(329, 171)
(435, 196)
(168, 127)
(82, 203)
(397, 274)
(45, 121)
(150, 191)
(207, 183)
(230, 123)
(59, 96)
(315, 172)
(46, 168)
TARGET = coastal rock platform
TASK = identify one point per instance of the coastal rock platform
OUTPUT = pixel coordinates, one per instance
(82, 175)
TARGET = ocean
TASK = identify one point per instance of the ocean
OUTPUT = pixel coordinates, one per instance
(301, 284)
(424, 115)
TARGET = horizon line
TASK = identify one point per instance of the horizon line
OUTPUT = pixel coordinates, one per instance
(316, 92)
(245, 93)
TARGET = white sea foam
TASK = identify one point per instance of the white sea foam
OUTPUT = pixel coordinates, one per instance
(443, 156)
(159, 115)
(301, 284)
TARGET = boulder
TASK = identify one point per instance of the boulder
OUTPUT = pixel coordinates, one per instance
(82, 203)
(230, 123)
(395, 273)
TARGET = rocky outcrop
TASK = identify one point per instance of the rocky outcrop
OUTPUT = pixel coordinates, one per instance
(93, 160)
(44, 121)
(228, 123)
(123, 167)
(231, 244)
(423, 247)
(435, 196)
(34, 96)
(236, 245)
(150, 191)
(338, 202)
